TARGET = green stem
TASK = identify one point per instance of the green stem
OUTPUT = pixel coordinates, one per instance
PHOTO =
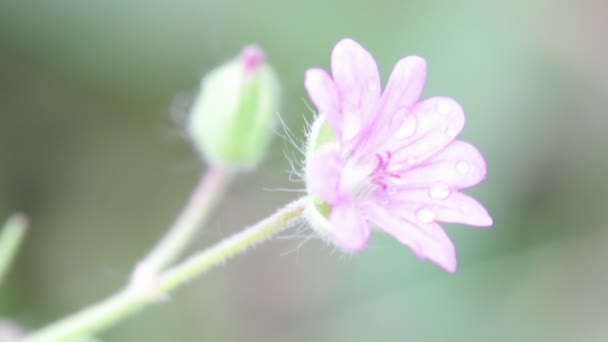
(204, 198)
(144, 291)
(11, 236)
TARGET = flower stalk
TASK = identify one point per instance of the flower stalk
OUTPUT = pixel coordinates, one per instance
(203, 200)
(137, 295)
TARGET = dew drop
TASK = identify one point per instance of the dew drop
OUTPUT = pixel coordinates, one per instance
(398, 119)
(407, 129)
(462, 167)
(439, 191)
(444, 107)
(425, 215)
(451, 132)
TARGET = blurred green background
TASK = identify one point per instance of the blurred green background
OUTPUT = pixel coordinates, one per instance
(92, 94)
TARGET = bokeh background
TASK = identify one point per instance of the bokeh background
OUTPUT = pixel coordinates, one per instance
(92, 97)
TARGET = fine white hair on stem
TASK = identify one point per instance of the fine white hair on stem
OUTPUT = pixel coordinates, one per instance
(304, 241)
(294, 173)
(297, 174)
(289, 135)
(335, 250)
(303, 233)
(301, 229)
(310, 109)
(296, 154)
(296, 157)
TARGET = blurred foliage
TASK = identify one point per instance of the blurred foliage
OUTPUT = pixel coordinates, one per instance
(92, 148)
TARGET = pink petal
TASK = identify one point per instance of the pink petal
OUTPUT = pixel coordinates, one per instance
(357, 79)
(404, 86)
(426, 240)
(323, 174)
(460, 208)
(394, 110)
(460, 165)
(455, 208)
(322, 92)
(438, 121)
(438, 247)
(348, 228)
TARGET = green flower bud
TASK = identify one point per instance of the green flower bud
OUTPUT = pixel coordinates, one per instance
(232, 117)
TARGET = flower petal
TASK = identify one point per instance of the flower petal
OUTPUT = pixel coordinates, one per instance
(357, 79)
(323, 93)
(456, 207)
(461, 208)
(323, 174)
(394, 119)
(405, 85)
(438, 121)
(438, 247)
(426, 240)
(460, 165)
(348, 228)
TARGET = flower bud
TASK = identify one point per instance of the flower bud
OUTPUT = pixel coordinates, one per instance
(232, 117)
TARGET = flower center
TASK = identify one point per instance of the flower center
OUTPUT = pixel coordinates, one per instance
(361, 179)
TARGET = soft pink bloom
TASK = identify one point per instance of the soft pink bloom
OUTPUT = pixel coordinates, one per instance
(396, 164)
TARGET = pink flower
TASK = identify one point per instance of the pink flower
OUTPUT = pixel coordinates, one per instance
(394, 163)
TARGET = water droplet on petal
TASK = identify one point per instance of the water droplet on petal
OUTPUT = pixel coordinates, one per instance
(425, 215)
(444, 107)
(439, 191)
(407, 129)
(451, 132)
(398, 119)
(462, 167)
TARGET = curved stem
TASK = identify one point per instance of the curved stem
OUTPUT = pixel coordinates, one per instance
(204, 198)
(137, 295)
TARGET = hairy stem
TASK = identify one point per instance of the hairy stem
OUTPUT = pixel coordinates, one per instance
(145, 291)
(203, 200)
